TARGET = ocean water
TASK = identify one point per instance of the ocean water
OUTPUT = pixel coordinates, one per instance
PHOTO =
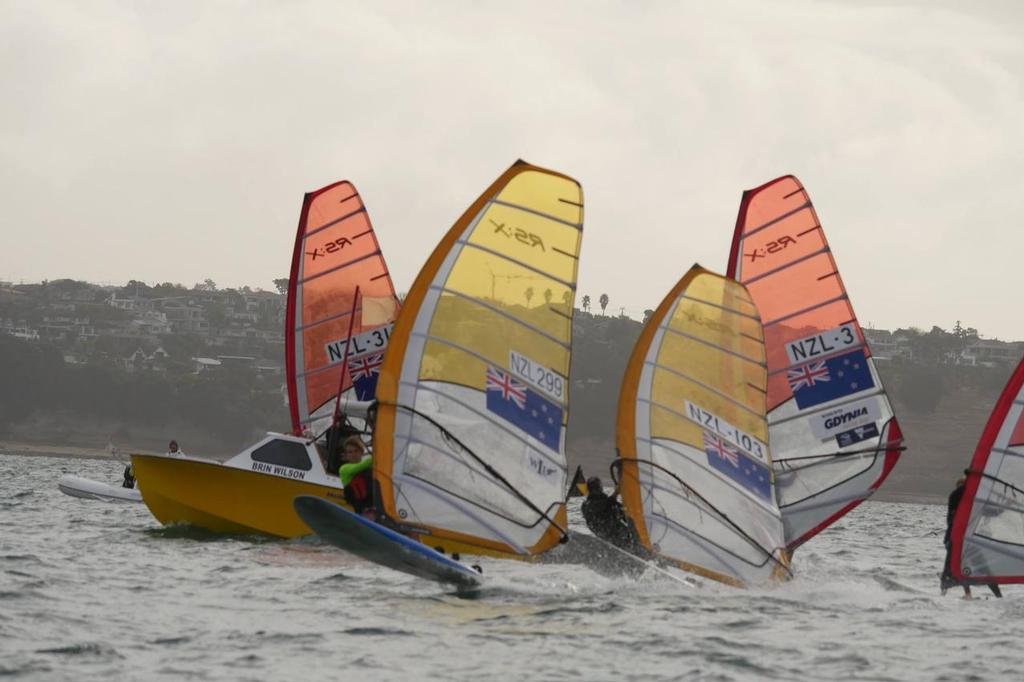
(100, 591)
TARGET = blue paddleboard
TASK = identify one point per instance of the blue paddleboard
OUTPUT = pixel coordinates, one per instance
(371, 541)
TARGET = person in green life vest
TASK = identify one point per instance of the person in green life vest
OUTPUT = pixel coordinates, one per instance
(356, 474)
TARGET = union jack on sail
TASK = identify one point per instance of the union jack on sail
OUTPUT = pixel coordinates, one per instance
(807, 375)
(510, 388)
(714, 445)
(363, 371)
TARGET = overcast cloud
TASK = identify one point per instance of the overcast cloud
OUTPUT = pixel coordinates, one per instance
(173, 141)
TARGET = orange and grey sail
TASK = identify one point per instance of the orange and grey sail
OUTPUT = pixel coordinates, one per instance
(334, 338)
(695, 467)
(987, 537)
(473, 397)
(833, 434)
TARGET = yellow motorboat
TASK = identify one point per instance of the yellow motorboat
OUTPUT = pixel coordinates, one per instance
(250, 493)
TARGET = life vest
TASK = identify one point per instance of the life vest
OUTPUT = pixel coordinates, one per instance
(358, 492)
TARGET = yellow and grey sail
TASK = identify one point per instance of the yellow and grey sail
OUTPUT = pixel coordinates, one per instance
(473, 394)
(692, 435)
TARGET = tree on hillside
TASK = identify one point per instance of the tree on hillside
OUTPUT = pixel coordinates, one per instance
(586, 303)
(936, 347)
(647, 315)
(206, 285)
(282, 285)
(169, 290)
(547, 296)
(604, 302)
(136, 287)
(528, 294)
(964, 337)
(217, 315)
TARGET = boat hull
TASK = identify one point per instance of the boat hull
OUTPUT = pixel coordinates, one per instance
(224, 499)
(87, 489)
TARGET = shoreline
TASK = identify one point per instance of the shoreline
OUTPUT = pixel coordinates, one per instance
(66, 451)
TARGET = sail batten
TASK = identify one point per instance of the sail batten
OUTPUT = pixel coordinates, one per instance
(825, 397)
(470, 436)
(336, 254)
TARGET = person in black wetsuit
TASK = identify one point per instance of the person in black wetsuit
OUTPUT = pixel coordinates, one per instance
(129, 477)
(947, 580)
(606, 519)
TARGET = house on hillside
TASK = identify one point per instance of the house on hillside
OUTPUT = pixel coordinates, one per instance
(151, 323)
(205, 365)
(129, 303)
(887, 346)
(19, 330)
(185, 318)
(990, 353)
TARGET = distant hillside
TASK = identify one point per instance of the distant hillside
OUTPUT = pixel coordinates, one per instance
(65, 391)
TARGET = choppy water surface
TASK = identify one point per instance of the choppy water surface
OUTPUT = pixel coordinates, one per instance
(92, 590)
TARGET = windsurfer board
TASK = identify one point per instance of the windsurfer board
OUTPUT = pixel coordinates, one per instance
(372, 541)
(76, 486)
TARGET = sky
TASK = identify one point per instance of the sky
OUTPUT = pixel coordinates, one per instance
(173, 141)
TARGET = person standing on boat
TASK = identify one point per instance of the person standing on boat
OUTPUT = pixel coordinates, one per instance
(606, 519)
(129, 477)
(357, 475)
(173, 450)
(947, 580)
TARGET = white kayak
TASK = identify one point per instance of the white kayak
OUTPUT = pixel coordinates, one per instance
(76, 486)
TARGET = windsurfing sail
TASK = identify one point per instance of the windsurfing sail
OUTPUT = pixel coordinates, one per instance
(988, 529)
(469, 444)
(833, 434)
(696, 476)
(336, 253)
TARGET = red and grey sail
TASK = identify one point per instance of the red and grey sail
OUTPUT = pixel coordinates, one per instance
(833, 434)
(341, 304)
(988, 529)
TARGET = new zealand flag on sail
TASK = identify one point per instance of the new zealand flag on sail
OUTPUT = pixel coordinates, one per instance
(364, 371)
(727, 459)
(824, 380)
(524, 408)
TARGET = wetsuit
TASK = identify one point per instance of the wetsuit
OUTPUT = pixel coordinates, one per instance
(357, 479)
(947, 580)
(606, 519)
(129, 477)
